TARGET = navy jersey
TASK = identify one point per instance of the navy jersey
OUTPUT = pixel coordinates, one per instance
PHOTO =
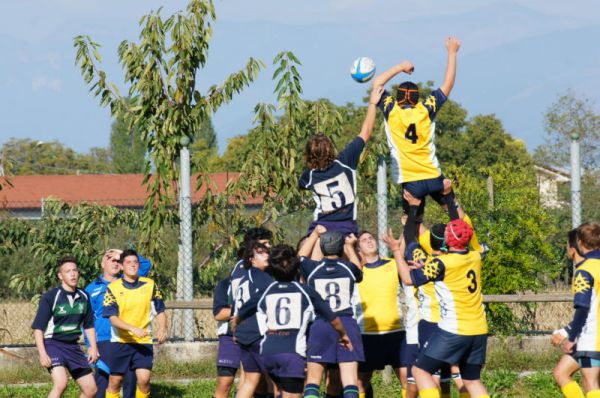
(254, 283)
(237, 273)
(61, 314)
(334, 280)
(284, 311)
(334, 189)
(220, 301)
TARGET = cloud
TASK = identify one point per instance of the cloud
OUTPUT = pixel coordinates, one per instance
(39, 83)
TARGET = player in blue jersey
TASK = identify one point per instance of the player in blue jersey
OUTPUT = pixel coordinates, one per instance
(62, 313)
(111, 270)
(228, 352)
(334, 279)
(247, 333)
(285, 310)
(332, 178)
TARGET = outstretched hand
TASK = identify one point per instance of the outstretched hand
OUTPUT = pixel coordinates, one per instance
(391, 242)
(452, 44)
(407, 67)
(412, 201)
(376, 94)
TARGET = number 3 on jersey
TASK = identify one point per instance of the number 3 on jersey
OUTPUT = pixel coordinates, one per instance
(284, 311)
(473, 277)
(411, 133)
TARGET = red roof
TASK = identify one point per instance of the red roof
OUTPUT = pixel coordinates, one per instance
(121, 190)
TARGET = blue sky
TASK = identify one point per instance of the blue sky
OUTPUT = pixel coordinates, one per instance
(517, 56)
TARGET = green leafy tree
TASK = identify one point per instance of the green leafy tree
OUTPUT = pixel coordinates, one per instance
(164, 106)
(570, 114)
(127, 149)
(204, 149)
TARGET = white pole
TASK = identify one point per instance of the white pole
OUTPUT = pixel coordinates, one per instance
(382, 205)
(185, 256)
(575, 181)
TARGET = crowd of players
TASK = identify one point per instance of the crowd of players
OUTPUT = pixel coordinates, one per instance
(330, 311)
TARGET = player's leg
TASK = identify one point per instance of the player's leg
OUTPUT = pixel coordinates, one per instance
(424, 377)
(101, 383)
(590, 371)
(445, 381)
(115, 381)
(143, 382)
(86, 382)
(458, 382)
(563, 372)
(225, 380)
(348, 360)
(129, 384)
(314, 375)
(246, 389)
(365, 390)
(349, 377)
(59, 381)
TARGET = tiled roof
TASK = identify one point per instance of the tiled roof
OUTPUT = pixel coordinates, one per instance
(121, 190)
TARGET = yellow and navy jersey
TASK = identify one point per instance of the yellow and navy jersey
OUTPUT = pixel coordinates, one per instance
(134, 303)
(377, 299)
(457, 277)
(586, 294)
(410, 134)
(429, 305)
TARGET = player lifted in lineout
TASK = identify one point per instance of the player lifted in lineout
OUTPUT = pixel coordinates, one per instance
(410, 130)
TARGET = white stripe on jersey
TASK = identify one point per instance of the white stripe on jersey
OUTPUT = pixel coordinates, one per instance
(411, 320)
(396, 165)
(432, 156)
(448, 319)
(588, 338)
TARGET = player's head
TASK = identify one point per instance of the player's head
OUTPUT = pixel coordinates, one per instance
(573, 251)
(130, 261)
(256, 255)
(283, 263)
(260, 234)
(408, 94)
(436, 237)
(366, 244)
(458, 234)
(332, 243)
(588, 237)
(68, 271)
(110, 262)
(319, 152)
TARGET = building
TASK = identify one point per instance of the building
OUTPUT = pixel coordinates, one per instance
(28, 194)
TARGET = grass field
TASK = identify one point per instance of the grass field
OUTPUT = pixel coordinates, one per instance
(509, 373)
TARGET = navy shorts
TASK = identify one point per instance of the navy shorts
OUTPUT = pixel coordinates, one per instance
(69, 356)
(124, 356)
(345, 227)
(433, 187)
(452, 348)
(381, 350)
(250, 357)
(588, 362)
(426, 330)
(228, 353)
(324, 345)
(284, 365)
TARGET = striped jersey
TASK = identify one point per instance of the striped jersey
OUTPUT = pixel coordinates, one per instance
(284, 312)
(334, 189)
(135, 303)
(378, 299)
(253, 284)
(457, 277)
(61, 314)
(411, 320)
(586, 294)
(334, 280)
(410, 135)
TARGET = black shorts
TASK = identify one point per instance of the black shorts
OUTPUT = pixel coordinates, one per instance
(381, 350)
(433, 187)
(293, 385)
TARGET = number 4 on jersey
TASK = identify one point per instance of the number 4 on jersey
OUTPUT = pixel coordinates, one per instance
(411, 133)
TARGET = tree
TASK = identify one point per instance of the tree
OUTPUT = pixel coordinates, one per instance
(204, 149)
(164, 104)
(27, 156)
(127, 149)
(570, 114)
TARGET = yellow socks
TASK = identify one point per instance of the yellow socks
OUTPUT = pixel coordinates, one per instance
(403, 392)
(465, 395)
(429, 393)
(572, 390)
(139, 394)
(361, 395)
(113, 394)
(590, 394)
(484, 396)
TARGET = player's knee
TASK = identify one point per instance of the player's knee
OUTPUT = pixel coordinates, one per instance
(61, 385)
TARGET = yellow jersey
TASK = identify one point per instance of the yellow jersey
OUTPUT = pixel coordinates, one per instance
(378, 301)
(586, 285)
(410, 135)
(457, 282)
(134, 303)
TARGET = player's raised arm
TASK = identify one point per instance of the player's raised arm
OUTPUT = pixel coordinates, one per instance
(383, 78)
(369, 123)
(452, 45)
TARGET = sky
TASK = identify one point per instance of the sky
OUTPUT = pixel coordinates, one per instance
(517, 56)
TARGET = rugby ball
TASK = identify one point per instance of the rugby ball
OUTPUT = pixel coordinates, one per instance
(362, 69)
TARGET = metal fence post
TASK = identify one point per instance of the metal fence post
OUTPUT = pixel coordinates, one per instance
(184, 268)
(382, 205)
(575, 181)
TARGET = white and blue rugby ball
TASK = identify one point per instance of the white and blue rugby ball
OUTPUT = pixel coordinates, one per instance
(363, 69)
